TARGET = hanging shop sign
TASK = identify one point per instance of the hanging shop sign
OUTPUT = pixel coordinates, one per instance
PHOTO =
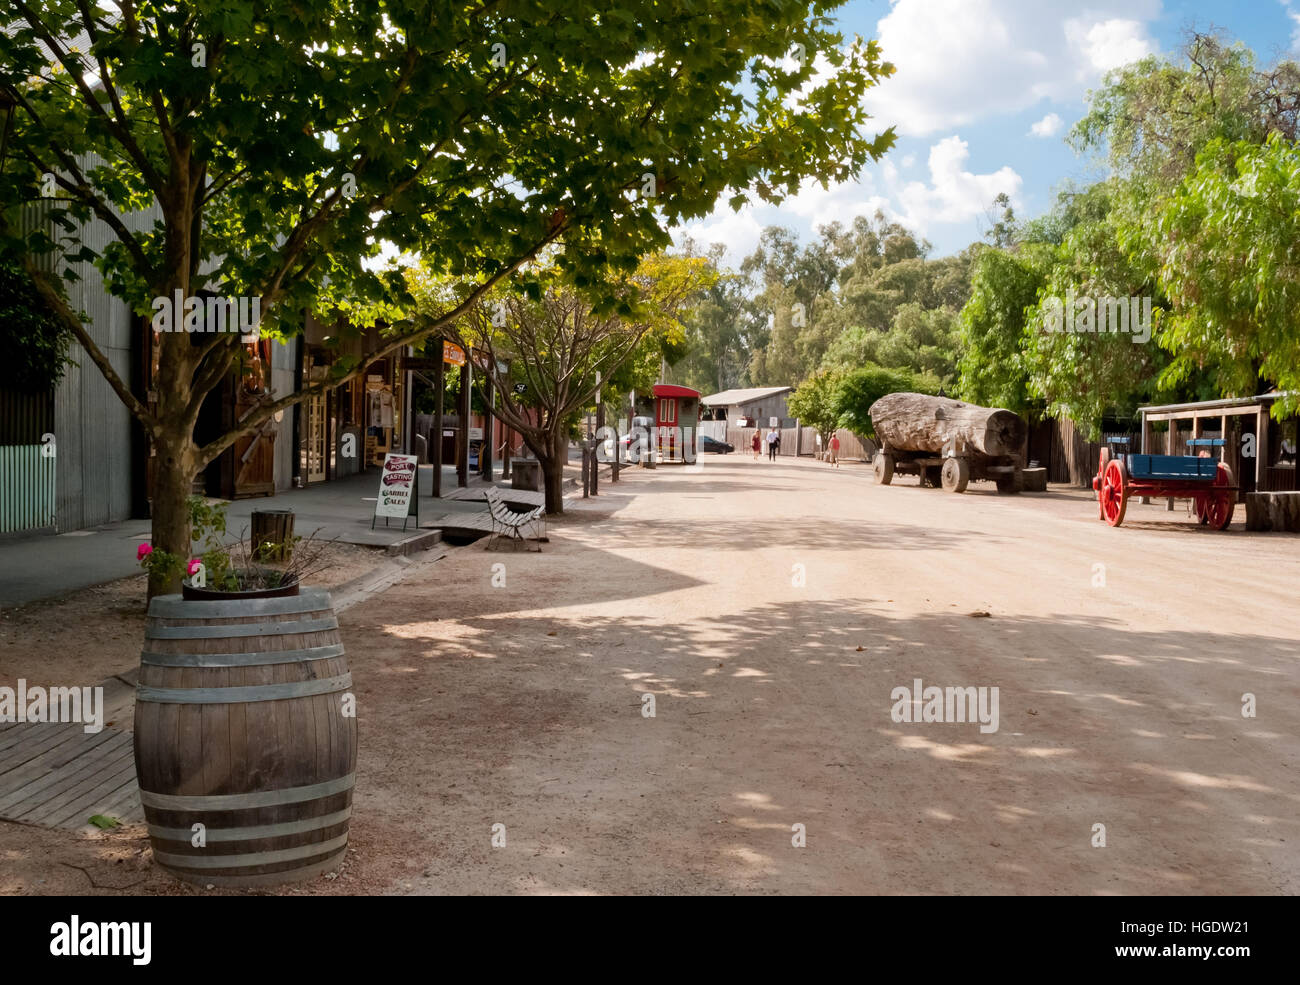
(452, 353)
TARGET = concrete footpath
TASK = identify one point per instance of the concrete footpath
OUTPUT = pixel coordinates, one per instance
(46, 566)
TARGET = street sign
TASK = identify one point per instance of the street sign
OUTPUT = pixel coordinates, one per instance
(452, 353)
(521, 388)
(774, 422)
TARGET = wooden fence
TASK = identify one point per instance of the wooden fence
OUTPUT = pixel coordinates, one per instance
(1064, 449)
(852, 447)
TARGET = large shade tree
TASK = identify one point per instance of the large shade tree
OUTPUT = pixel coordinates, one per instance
(276, 150)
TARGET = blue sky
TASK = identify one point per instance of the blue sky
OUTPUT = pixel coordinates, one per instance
(984, 94)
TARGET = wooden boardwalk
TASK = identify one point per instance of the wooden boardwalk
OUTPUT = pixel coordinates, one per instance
(467, 519)
(59, 776)
(518, 498)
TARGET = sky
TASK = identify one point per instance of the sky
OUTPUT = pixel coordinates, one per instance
(983, 97)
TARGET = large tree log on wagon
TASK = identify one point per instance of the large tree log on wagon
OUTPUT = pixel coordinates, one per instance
(917, 422)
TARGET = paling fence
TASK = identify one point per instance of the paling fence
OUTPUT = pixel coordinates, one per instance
(802, 441)
(28, 459)
(26, 488)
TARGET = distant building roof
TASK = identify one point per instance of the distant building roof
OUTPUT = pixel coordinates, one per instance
(728, 397)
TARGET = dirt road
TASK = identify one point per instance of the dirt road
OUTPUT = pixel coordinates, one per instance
(771, 610)
(1120, 698)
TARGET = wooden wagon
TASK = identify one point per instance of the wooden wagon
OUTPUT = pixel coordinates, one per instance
(947, 442)
(1121, 475)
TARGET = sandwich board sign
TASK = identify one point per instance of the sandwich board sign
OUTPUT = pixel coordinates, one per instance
(397, 490)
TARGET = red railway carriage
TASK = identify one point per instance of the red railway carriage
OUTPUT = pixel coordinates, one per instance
(675, 411)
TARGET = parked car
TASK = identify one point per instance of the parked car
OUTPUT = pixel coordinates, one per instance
(714, 445)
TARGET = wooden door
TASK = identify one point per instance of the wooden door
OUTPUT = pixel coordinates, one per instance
(316, 438)
(254, 455)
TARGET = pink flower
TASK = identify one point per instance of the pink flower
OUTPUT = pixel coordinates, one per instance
(194, 566)
(142, 551)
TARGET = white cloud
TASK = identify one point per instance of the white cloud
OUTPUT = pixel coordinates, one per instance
(838, 203)
(1295, 19)
(954, 195)
(1107, 44)
(963, 60)
(1049, 126)
(738, 231)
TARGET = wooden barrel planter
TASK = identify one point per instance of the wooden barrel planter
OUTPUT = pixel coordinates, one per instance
(240, 726)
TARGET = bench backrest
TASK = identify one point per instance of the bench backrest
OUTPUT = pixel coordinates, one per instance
(496, 505)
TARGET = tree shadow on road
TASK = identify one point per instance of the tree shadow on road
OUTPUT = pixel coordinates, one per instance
(780, 714)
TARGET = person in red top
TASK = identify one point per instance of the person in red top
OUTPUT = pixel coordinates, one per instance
(756, 443)
(835, 450)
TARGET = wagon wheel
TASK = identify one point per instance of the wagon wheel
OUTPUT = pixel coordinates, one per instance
(932, 476)
(956, 474)
(1219, 505)
(883, 467)
(1114, 492)
(1096, 482)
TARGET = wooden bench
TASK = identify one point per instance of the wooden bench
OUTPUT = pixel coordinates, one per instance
(509, 522)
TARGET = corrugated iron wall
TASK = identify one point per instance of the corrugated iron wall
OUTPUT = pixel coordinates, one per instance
(91, 424)
(92, 427)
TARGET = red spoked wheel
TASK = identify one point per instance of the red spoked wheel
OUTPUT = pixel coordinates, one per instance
(1219, 503)
(1113, 494)
(1096, 482)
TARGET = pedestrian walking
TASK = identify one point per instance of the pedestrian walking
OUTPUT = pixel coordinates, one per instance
(772, 439)
(835, 450)
(756, 442)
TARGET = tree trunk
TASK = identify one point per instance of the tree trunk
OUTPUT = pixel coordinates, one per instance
(173, 479)
(919, 422)
(553, 473)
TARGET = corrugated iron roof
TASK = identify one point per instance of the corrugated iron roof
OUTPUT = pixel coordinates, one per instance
(728, 397)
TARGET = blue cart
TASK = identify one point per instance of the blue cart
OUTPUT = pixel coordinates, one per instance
(1122, 475)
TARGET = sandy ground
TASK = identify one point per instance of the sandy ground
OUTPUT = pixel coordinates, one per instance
(86, 636)
(771, 609)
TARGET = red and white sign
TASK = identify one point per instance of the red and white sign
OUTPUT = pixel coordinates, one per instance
(396, 485)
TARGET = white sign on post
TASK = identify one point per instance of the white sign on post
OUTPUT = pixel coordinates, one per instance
(774, 422)
(396, 485)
